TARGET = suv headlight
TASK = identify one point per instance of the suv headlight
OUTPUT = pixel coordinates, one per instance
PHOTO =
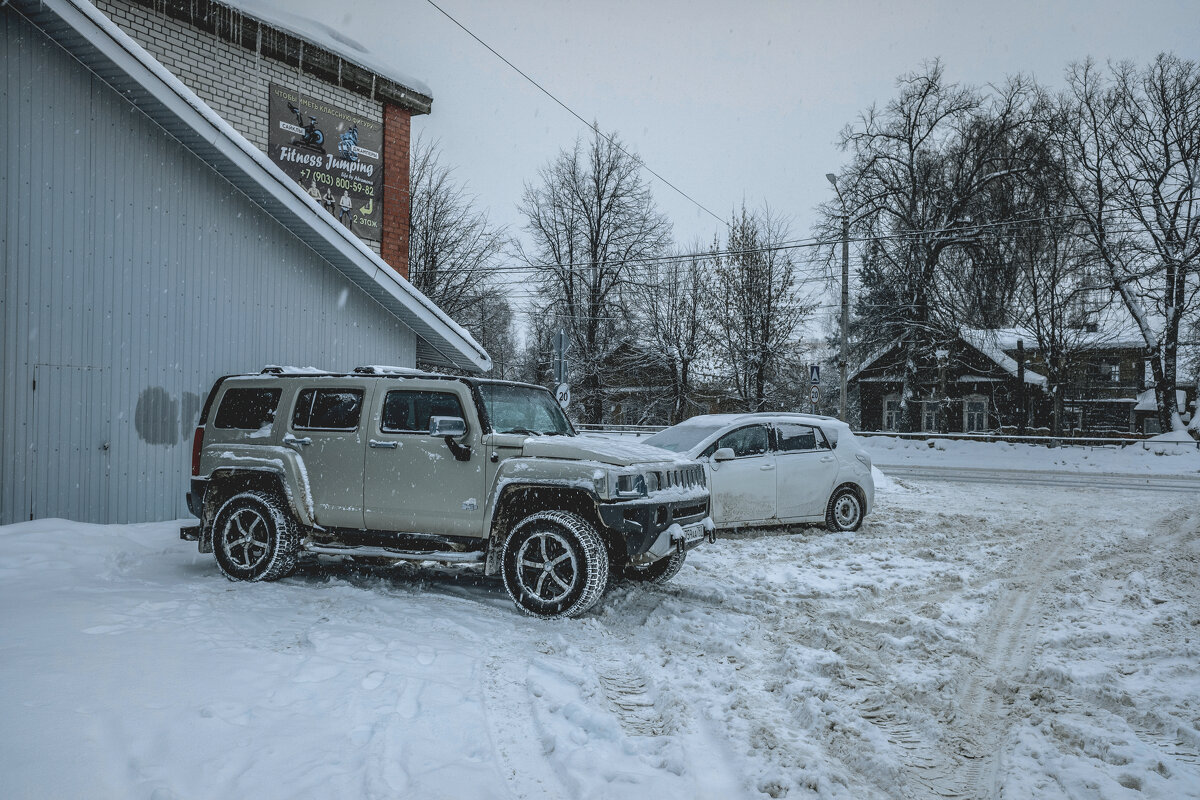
(630, 485)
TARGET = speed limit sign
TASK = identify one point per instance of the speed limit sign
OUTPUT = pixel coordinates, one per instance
(563, 395)
(814, 394)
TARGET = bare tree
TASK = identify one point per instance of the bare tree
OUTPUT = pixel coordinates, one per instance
(590, 219)
(1130, 140)
(668, 298)
(920, 170)
(1059, 296)
(755, 308)
(452, 247)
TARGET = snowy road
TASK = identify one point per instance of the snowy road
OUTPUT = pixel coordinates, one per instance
(1186, 484)
(981, 641)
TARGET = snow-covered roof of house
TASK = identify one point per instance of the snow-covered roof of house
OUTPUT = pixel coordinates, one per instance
(990, 344)
(984, 341)
(1115, 333)
(872, 358)
(335, 41)
(1146, 401)
(122, 63)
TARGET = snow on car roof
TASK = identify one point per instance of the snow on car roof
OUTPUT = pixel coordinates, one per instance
(710, 420)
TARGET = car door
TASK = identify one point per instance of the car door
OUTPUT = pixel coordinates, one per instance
(743, 489)
(805, 470)
(413, 483)
(326, 428)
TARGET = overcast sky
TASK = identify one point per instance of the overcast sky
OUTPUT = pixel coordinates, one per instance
(725, 100)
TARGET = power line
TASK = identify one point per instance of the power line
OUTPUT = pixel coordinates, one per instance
(611, 140)
(810, 242)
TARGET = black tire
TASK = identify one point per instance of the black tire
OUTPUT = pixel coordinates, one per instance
(659, 571)
(554, 565)
(255, 538)
(845, 510)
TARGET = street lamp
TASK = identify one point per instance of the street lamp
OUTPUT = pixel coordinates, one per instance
(842, 363)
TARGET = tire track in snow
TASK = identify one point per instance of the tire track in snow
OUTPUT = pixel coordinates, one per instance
(971, 749)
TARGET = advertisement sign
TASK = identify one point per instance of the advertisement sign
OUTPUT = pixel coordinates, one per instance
(335, 154)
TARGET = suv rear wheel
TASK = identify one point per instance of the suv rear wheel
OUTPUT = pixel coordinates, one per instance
(255, 538)
(554, 565)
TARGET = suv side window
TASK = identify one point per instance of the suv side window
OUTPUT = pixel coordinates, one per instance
(793, 438)
(409, 412)
(328, 409)
(749, 441)
(247, 409)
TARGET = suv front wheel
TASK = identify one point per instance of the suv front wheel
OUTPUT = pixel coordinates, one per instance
(659, 571)
(554, 565)
(255, 538)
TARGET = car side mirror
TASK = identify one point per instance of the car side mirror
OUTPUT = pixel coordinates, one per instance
(724, 454)
(447, 426)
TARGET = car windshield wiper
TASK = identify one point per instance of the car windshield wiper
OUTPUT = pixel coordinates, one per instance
(522, 430)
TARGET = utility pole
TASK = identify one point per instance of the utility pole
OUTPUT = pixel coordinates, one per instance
(843, 362)
(844, 359)
(1022, 411)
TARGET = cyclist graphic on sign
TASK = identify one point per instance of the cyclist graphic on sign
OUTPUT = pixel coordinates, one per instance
(313, 138)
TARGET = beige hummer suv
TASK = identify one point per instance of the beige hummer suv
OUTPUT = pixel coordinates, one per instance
(398, 464)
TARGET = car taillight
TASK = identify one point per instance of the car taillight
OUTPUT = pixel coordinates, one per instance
(197, 443)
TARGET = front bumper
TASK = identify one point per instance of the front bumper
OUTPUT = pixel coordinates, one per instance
(641, 522)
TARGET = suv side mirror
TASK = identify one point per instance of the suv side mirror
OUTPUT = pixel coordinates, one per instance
(447, 426)
(724, 454)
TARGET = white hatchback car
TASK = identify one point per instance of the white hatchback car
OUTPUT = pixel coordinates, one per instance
(777, 469)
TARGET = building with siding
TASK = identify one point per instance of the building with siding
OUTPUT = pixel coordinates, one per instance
(976, 386)
(147, 248)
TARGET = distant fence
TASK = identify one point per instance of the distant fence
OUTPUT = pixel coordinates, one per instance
(1047, 441)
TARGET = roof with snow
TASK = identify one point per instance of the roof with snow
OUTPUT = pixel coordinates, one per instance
(991, 345)
(985, 342)
(410, 91)
(119, 61)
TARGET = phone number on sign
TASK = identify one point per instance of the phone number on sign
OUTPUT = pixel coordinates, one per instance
(365, 189)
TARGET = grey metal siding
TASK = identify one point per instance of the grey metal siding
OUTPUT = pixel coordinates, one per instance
(133, 276)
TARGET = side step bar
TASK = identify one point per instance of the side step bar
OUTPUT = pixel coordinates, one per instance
(445, 556)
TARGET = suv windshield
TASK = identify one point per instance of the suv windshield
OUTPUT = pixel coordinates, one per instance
(524, 409)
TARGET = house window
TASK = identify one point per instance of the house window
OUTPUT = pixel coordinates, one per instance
(1114, 372)
(929, 416)
(891, 412)
(975, 413)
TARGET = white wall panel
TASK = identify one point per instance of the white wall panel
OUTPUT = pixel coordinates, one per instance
(133, 276)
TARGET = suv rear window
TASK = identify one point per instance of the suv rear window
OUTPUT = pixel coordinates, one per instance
(409, 412)
(247, 409)
(328, 409)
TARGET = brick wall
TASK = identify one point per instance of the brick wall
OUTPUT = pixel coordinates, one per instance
(396, 188)
(235, 81)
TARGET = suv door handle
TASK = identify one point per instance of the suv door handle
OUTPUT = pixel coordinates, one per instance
(766, 467)
(292, 440)
(827, 459)
(388, 445)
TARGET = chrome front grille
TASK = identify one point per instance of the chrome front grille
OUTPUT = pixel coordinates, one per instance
(682, 478)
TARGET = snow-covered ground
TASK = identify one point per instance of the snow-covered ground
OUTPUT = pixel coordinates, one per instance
(970, 640)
